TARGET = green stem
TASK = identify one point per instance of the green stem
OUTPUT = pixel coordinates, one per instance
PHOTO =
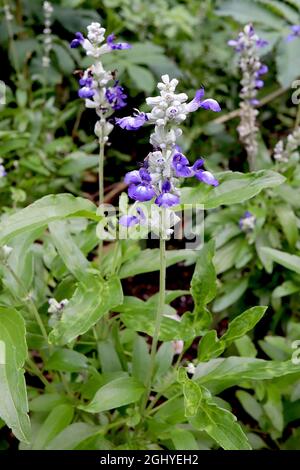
(101, 187)
(36, 371)
(12, 44)
(297, 120)
(159, 313)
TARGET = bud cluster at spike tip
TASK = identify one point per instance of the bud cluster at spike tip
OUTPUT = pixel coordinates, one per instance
(94, 82)
(164, 167)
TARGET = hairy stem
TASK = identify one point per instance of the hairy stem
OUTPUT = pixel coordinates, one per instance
(159, 313)
(101, 187)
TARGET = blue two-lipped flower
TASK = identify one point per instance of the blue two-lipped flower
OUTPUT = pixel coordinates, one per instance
(199, 102)
(132, 123)
(294, 34)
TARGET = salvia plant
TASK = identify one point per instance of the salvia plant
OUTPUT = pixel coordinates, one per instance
(100, 348)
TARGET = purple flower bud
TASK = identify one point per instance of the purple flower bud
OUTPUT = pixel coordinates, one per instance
(207, 178)
(261, 43)
(259, 83)
(116, 46)
(77, 41)
(254, 102)
(86, 81)
(295, 33)
(263, 69)
(132, 123)
(142, 192)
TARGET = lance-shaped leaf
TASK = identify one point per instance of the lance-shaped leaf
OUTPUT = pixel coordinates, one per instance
(90, 302)
(243, 323)
(71, 255)
(13, 352)
(203, 285)
(221, 425)
(234, 188)
(119, 392)
(291, 262)
(42, 212)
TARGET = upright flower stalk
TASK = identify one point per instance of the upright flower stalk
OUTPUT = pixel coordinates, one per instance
(159, 178)
(284, 151)
(247, 46)
(99, 89)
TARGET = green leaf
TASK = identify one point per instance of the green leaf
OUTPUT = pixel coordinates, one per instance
(46, 402)
(59, 418)
(234, 188)
(71, 255)
(210, 346)
(183, 439)
(286, 288)
(249, 11)
(243, 323)
(140, 359)
(65, 62)
(44, 211)
(13, 353)
(203, 284)
(291, 262)
(70, 437)
(21, 261)
(118, 392)
(233, 291)
(77, 163)
(141, 77)
(222, 426)
(288, 222)
(288, 62)
(90, 302)
(192, 397)
(148, 261)
(66, 360)
(250, 404)
(219, 374)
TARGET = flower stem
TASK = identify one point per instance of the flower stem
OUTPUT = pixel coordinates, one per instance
(101, 187)
(159, 313)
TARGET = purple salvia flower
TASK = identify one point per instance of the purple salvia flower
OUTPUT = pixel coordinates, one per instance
(180, 164)
(197, 166)
(247, 222)
(198, 102)
(116, 97)
(78, 41)
(142, 192)
(166, 198)
(129, 220)
(207, 177)
(132, 123)
(86, 92)
(116, 46)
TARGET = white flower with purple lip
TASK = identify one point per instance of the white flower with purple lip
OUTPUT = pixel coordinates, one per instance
(247, 222)
(94, 83)
(159, 178)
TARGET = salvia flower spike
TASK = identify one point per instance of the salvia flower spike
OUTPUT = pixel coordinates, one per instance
(247, 46)
(159, 178)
